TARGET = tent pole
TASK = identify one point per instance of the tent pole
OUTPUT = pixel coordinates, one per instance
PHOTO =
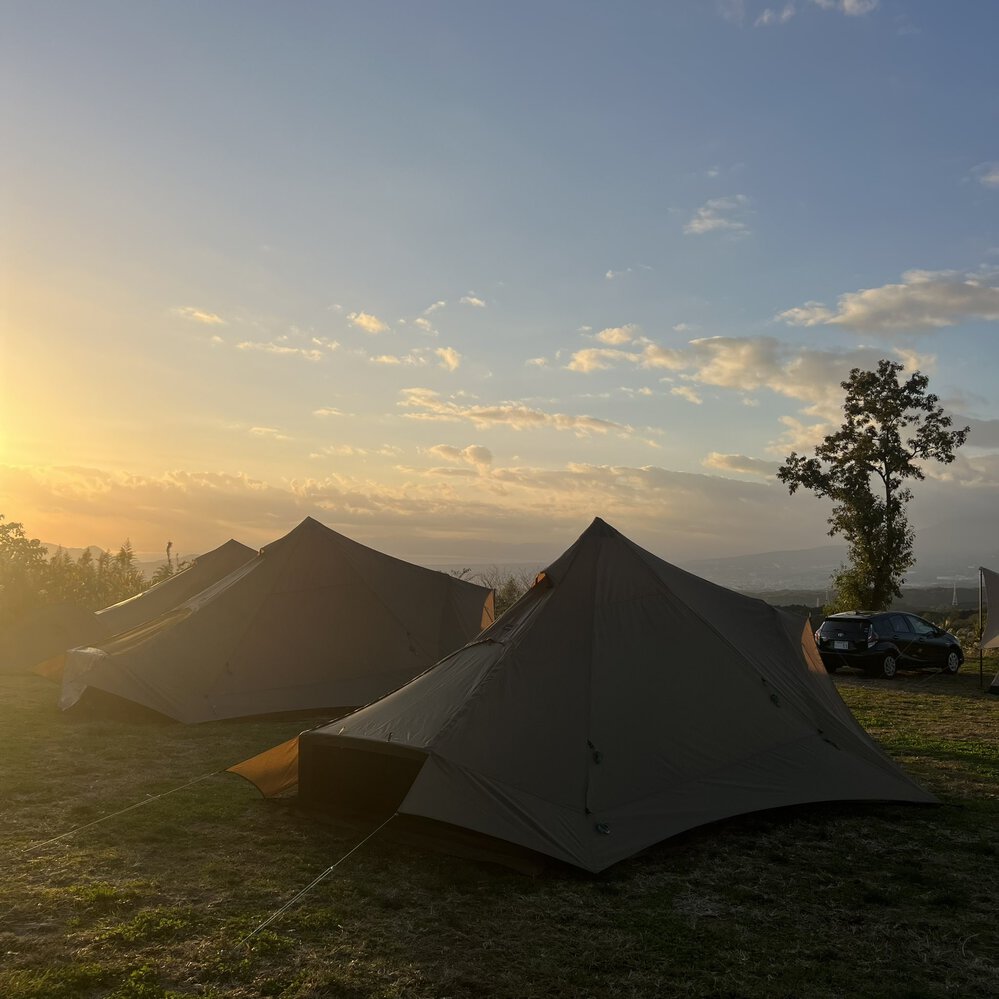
(981, 631)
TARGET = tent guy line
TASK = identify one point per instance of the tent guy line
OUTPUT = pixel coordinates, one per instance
(312, 884)
(121, 811)
(231, 769)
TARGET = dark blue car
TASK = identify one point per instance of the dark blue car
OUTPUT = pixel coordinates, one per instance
(883, 643)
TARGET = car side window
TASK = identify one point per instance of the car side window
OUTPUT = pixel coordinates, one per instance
(899, 623)
(921, 627)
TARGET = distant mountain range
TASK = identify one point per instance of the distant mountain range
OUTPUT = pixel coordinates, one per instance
(948, 553)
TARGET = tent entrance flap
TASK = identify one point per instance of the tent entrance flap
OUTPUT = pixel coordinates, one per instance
(335, 776)
(272, 771)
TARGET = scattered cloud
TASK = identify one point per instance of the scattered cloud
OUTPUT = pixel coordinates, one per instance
(612, 275)
(724, 215)
(683, 328)
(430, 405)
(425, 325)
(600, 358)
(420, 357)
(353, 451)
(748, 364)
(281, 346)
(537, 362)
(734, 11)
(741, 464)
(434, 306)
(677, 515)
(987, 174)
(800, 436)
(686, 392)
(615, 335)
(450, 359)
(473, 300)
(852, 8)
(773, 15)
(198, 315)
(269, 433)
(924, 300)
(327, 411)
(481, 458)
(984, 433)
(367, 322)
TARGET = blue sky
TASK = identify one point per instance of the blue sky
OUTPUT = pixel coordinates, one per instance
(454, 278)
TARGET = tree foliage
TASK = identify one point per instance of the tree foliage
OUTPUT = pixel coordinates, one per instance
(891, 428)
(508, 586)
(30, 578)
(170, 567)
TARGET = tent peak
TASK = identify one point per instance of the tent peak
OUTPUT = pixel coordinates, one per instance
(600, 529)
(308, 527)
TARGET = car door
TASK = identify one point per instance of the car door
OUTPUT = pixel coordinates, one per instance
(930, 641)
(905, 638)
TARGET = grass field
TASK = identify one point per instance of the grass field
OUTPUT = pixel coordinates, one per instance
(823, 901)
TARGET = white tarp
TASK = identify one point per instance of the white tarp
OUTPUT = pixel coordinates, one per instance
(990, 632)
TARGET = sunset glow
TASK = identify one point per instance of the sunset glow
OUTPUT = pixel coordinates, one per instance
(454, 280)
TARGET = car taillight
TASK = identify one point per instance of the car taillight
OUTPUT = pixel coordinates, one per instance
(872, 638)
(818, 638)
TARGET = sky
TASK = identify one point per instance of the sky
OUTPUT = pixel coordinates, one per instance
(455, 278)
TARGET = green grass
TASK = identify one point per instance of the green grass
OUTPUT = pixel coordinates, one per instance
(826, 901)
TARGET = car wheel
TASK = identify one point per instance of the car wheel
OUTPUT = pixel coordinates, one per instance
(953, 663)
(889, 667)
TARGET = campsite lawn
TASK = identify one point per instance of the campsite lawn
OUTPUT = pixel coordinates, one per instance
(822, 901)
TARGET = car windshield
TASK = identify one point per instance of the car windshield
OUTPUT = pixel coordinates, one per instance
(847, 627)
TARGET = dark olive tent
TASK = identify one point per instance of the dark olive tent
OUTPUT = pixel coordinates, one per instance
(315, 620)
(168, 593)
(621, 701)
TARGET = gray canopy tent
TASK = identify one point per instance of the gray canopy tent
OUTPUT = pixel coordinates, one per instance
(621, 701)
(315, 620)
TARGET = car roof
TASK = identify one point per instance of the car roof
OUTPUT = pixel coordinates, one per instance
(853, 614)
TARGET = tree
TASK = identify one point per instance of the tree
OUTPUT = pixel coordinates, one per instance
(891, 427)
(508, 586)
(166, 570)
(22, 571)
(30, 578)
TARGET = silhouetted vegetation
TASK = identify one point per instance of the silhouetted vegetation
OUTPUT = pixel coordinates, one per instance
(30, 577)
(509, 587)
(170, 567)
